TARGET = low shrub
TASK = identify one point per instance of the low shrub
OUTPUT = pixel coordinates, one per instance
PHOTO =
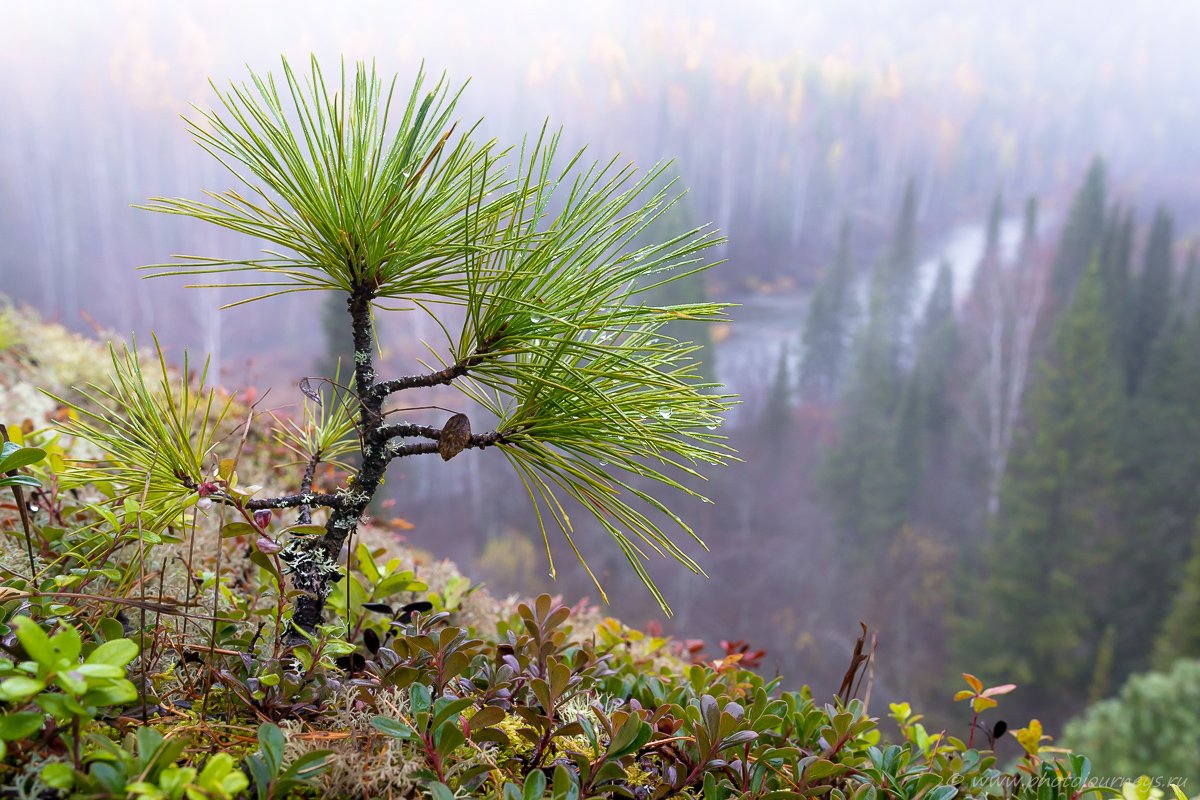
(1151, 726)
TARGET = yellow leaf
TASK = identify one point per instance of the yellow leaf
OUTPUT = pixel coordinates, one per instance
(225, 468)
(982, 703)
(973, 682)
(965, 694)
(1030, 737)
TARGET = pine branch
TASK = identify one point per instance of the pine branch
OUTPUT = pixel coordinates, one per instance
(443, 377)
(477, 441)
(302, 500)
(306, 487)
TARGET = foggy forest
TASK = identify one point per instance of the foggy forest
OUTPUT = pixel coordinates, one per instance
(959, 244)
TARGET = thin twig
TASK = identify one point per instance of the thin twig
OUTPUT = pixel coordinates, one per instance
(172, 608)
(287, 501)
(306, 484)
(212, 638)
(19, 496)
(142, 581)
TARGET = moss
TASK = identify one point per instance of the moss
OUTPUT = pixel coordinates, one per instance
(363, 763)
(636, 776)
(10, 333)
(518, 745)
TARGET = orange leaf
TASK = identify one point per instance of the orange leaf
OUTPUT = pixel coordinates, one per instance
(973, 682)
(965, 694)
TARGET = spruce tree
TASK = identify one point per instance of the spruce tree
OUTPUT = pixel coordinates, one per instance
(1036, 617)
(1152, 298)
(1081, 235)
(1115, 254)
(1180, 633)
(895, 278)
(1162, 503)
(776, 418)
(920, 424)
(827, 326)
(1189, 284)
(864, 476)
(859, 475)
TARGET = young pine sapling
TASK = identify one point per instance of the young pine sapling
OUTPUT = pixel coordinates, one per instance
(539, 270)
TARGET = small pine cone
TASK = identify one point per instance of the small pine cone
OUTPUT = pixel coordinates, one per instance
(456, 435)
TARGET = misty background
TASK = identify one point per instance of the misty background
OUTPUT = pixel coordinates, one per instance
(873, 166)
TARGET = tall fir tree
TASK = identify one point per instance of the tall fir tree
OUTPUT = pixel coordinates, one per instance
(860, 479)
(1152, 299)
(776, 418)
(1037, 617)
(864, 480)
(1115, 254)
(826, 337)
(1162, 503)
(896, 275)
(1189, 284)
(1081, 235)
(920, 426)
(1180, 633)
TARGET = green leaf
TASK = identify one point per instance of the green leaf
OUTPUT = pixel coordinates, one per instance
(111, 629)
(20, 480)
(271, 743)
(392, 727)
(117, 653)
(304, 530)
(232, 529)
(114, 693)
(260, 775)
(58, 775)
(535, 785)
(942, 793)
(20, 457)
(737, 738)
(822, 768)
(564, 785)
(485, 717)
(20, 725)
(446, 710)
(449, 737)
(419, 698)
(35, 641)
(20, 688)
(100, 671)
(308, 765)
(67, 644)
(629, 737)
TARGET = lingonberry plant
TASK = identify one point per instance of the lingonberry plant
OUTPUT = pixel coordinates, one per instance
(539, 269)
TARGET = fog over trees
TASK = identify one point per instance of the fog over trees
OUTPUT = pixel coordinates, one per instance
(963, 241)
